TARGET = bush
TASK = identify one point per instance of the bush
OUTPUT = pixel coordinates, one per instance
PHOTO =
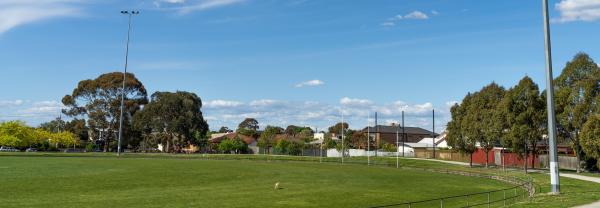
(90, 147)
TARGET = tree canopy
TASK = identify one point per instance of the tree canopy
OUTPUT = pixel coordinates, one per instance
(98, 100)
(176, 115)
(577, 91)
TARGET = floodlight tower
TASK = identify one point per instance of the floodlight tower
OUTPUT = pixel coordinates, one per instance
(554, 175)
(129, 14)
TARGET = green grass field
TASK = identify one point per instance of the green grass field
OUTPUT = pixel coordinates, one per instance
(176, 182)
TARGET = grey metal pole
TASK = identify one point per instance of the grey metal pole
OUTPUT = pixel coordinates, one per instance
(377, 134)
(554, 174)
(124, 79)
(397, 148)
(403, 134)
(369, 139)
(433, 133)
(343, 145)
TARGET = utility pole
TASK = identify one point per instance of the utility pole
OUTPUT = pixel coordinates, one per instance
(433, 133)
(369, 138)
(397, 147)
(554, 174)
(343, 145)
(129, 14)
(403, 134)
(377, 134)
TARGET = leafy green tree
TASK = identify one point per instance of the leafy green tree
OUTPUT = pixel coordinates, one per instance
(590, 138)
(235, 145)
(337, 128)
(577, 89)
(98, 100)
(224, 129)
(265, 141)
(176, 115)
(248, 127)
(388, 147)
(55, 125)
(480, 120)
(328, 142)
(456, 128)
(282, 147)
(16, 134)
(524, 114)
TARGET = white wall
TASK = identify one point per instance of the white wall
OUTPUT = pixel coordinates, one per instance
(363, 153)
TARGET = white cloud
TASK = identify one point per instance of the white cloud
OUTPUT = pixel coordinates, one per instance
(14, 13)
(33, 113)
(310, 83)
(415, 15)
(43, 108)
(188, 6)
(222, 104)
(451, 103)
(10, 103)
(264, 102)
(388, 24)
(346, 101)
(323, 115)
(578, 10)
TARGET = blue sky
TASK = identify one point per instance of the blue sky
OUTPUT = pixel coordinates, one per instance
(287, 62)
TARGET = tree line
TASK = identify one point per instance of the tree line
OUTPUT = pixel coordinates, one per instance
(515, 118)
(17, 134)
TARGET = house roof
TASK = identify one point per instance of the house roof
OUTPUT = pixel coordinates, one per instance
(246, 139)
(393, 129)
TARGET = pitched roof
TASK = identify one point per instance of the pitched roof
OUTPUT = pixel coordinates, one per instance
(246, 139)
(393, 129)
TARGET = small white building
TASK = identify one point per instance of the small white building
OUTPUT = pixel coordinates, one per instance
(440, 141)
(318, 138)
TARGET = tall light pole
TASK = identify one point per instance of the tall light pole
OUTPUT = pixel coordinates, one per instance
(433, 133)
(554, 175)
(129, 14)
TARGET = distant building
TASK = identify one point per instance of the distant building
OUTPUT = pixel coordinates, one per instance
(440, 141)
(318, 138)
(250, 141)
(387, 134)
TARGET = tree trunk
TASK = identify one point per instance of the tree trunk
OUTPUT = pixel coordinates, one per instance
(525, 163)
(487, 157)
(168, 147)
(471, 160)
(106, 144)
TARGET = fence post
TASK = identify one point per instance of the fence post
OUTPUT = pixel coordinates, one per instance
(467, 200)
(442, 203)
(409, 205)
(488, 204)
(504, 200)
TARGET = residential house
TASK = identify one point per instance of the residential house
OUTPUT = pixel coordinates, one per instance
(381, 133)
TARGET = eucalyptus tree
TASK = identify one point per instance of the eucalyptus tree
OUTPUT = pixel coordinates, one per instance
(590, 138)
(176, 117)
(524, 112)
(267, 138)
(98, 100)
(249, 127)
(577, 89)
(480, 120)
(456, 128)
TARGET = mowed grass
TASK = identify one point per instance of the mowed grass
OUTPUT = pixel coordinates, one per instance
(175, 182)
